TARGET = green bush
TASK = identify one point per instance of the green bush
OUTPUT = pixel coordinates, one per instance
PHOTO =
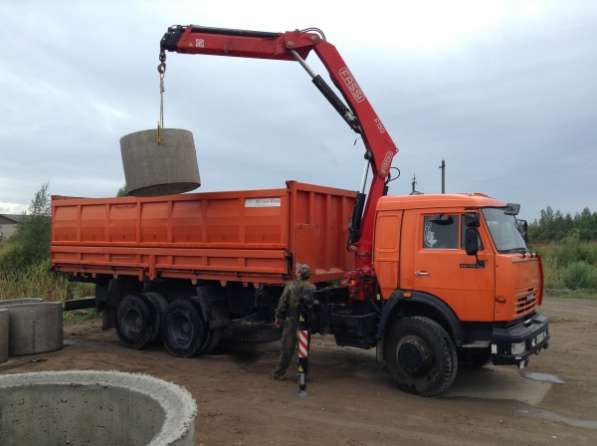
(571, 249)
(578, 275)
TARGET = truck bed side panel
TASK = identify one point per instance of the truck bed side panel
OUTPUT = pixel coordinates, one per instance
(240, 236)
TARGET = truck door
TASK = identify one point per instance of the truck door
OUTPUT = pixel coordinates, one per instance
(386, 253)
(442, 267)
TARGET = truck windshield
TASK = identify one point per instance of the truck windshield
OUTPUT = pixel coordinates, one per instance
(504, 231)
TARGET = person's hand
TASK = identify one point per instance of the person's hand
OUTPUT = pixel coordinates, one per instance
(278, 323)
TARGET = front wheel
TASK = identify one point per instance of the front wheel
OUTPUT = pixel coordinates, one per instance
(421, 356)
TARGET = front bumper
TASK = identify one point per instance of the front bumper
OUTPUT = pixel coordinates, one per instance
(515, 343)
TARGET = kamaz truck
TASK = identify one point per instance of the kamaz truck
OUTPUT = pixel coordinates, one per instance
(433, 282)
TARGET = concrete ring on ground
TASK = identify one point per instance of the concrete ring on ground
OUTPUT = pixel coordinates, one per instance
(159, 168)
(35, 326)
(4, 330)
(95, 408)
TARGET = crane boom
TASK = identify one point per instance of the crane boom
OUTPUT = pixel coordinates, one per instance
(355, 109)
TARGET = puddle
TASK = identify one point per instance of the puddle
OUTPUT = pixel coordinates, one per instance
(499, 383)
(558, 418)
(544, 377)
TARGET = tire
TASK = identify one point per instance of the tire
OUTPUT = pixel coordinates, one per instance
(475, 359)
(159, 305)
(421, 356)
(135, 321)
(215, 336)
(185, 333)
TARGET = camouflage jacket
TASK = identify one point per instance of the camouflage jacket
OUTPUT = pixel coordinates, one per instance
(291, 296)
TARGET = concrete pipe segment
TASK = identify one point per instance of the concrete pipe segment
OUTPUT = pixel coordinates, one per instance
(35, 326)
(94, 408)
(167, 167)
(4, 327)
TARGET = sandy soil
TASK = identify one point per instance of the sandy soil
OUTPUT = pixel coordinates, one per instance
(352, 402)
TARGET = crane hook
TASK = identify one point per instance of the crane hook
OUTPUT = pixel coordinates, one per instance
(162, 72)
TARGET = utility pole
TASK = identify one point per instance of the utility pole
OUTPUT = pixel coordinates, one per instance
(443, 168)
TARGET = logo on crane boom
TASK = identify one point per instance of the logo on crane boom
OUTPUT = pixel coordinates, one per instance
(387, 163)
(351, 84)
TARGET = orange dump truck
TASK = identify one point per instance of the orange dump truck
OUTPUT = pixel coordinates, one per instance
(434, 282)
(452, 272)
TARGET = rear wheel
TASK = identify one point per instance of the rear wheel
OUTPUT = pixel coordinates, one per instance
(135, 321)
(185, 333)
(159, 305)
(215, 336)
(421, 356)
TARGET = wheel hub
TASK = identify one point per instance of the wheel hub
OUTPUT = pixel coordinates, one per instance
(133, 322)
(180, 328)
(414, 356)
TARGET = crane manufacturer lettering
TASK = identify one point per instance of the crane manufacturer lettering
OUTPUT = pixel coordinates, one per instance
(351, 84)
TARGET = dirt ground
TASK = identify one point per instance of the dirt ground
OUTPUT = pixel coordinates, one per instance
(352, 402)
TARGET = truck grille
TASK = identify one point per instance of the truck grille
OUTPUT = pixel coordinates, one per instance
(526, 302)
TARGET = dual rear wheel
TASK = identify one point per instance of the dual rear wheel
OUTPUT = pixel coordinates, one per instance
(142, 319)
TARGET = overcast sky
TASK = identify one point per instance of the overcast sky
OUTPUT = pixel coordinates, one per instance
(506, 92)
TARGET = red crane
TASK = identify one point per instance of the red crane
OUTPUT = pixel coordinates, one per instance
(355, 110)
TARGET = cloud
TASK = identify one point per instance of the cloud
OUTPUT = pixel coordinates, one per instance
(504, 93)
(12, 208)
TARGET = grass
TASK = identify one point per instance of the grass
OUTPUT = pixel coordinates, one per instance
(80, 316)
(38, 281)
(573, 294)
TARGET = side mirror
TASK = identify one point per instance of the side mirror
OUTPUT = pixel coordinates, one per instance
(471, 220)
(523, 228)
(471, 241)
(512, 209)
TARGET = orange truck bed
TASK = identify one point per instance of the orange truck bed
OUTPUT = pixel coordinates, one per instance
(251, 236)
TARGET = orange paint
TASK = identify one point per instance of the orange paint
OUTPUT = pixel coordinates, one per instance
(244, 236)
(500, 290)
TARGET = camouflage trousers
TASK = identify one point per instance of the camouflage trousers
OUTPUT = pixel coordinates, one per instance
(288, 346)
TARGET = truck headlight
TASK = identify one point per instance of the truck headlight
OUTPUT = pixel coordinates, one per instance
(518, 348)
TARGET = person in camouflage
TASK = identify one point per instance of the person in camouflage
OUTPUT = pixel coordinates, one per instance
(287, 315)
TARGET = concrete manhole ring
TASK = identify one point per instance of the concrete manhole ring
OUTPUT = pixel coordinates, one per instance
(35, 325)
(159, 168)
(4, 330)
(94, 408)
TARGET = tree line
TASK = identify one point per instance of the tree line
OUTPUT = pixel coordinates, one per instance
(555, 226)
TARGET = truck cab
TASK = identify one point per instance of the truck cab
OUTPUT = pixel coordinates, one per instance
(460, 260)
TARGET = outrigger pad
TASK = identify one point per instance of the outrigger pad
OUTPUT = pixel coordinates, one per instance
(159, 164)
